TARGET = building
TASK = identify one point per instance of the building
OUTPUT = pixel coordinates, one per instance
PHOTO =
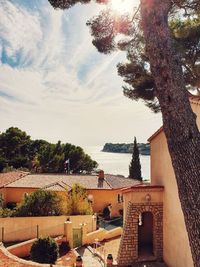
(102, 189)
(154, 225)
(7, 178)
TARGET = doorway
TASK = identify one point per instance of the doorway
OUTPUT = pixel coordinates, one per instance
(77, 237)
(145, 235)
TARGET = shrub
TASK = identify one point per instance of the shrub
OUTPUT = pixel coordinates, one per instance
(11, 205)
(44, 250)
(64, 248)
(78, 201)
(40, 203)
(6, 212)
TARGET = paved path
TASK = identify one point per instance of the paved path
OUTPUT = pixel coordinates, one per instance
(89, 260)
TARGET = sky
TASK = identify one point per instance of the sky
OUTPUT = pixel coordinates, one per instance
(56, 86)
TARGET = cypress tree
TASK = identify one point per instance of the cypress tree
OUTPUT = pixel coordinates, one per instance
(135, 166)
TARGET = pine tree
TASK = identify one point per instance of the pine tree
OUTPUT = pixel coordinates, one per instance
(179, 121)
(135, 166)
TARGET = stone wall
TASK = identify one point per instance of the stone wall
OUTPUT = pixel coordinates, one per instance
(128, 251)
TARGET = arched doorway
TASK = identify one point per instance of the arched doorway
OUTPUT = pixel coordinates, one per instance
(145, 235)
(128, 250)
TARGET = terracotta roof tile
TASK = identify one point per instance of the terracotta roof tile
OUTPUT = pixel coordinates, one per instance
(44, 180)
(59, 181)
(116, 181)
(155, 134)
(9, 177)
(194, 97)
(143, 186)
(58, 186)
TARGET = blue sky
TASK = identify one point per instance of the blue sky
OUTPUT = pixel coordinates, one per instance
(56, 86)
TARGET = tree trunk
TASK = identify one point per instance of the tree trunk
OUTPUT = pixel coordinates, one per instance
(179, 121)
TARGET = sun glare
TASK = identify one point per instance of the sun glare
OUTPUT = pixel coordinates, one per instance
(123, 6)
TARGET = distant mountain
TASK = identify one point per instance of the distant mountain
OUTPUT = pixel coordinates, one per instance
(126, 148)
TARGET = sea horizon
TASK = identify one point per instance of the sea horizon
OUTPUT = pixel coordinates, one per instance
(117, 163)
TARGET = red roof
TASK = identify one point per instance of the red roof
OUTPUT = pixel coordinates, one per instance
(142, 186)
(155, 134)
(194, 97)
(9, 177)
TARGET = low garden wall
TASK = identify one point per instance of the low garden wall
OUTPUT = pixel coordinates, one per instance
(24, 228)
(23, 249)
(7, 259)
(101, 235)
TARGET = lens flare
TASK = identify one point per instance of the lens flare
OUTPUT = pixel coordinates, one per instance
(123, 6)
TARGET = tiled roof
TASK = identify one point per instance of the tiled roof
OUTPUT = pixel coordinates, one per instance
(35, 181)
(44, 180)
(143, 186)
(58, 186)
(195, 98)
(155, 134)
(116, 181)
(58, 182)
(9, 177)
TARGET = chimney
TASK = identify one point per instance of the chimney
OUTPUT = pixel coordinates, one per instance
(101, 179)
(101, 175)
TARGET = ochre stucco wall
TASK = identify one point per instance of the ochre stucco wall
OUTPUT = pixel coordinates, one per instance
(17, 194)
(103, 197)
(24, 228)
(176, 244)
(196, 109)
(3, 192)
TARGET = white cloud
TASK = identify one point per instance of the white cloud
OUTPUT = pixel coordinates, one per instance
(20, 30)
(44, 94)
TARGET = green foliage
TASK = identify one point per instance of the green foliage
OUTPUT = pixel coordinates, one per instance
(135, 166)
(69, 3)
(2, 163)
(18, 151)
(1, 200)
(136, 72)
(40, 203)
(44, 250)
(9, 169)
(5, 212)
(15, 147)
(11, 205)
(78, 201)
(111, 32)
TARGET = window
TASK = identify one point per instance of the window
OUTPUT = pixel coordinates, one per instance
(25, 195)
(118, 198)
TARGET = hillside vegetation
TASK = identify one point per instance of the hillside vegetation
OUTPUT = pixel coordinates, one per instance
(144, 149)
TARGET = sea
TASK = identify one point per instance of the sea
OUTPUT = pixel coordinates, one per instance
(117, 163)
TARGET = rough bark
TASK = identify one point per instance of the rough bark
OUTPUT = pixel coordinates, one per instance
(179, 121)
